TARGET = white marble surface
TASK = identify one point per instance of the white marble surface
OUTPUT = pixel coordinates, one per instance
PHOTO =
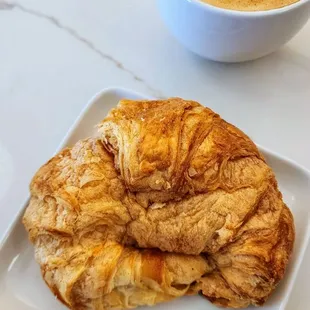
(54, 55)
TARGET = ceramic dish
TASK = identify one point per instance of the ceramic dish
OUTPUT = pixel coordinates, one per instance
(21, 285)
(232, 36)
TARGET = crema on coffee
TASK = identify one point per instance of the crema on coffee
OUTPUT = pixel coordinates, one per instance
(250, 5)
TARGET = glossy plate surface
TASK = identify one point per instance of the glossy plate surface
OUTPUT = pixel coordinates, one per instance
(21, 285)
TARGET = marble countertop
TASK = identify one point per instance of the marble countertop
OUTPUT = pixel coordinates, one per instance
(55, 55)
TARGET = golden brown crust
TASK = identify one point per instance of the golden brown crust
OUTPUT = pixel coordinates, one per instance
(77, 219)
(172, 177)
(173, 147)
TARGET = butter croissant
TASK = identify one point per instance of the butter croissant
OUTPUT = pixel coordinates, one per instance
(167, 200)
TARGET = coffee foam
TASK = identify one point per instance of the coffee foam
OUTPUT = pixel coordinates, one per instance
(250, 5)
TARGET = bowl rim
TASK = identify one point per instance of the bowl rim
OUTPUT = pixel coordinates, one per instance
(249, 14)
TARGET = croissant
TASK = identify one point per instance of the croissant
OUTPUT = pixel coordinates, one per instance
(167, 200)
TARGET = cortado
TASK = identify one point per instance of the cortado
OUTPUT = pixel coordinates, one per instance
(250, 5)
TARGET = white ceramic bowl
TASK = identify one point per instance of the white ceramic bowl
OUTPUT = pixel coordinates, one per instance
(232, 36)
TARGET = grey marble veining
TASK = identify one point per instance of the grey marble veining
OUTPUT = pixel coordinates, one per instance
(7, 6)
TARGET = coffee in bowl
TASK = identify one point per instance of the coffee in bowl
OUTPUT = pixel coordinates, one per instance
(244, 30)
(250, 5)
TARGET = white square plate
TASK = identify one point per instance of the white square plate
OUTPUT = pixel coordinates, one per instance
(21, 285)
